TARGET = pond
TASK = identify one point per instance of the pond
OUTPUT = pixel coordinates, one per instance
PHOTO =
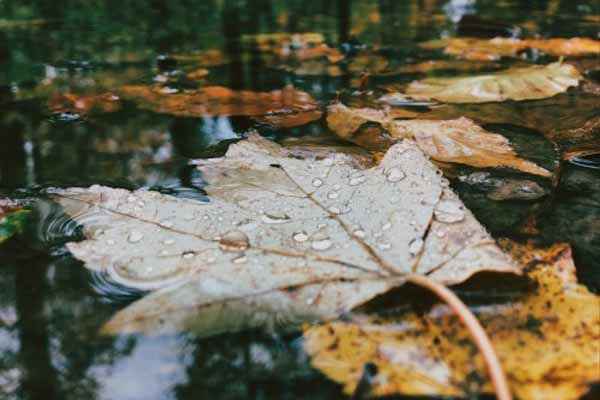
(51, 307)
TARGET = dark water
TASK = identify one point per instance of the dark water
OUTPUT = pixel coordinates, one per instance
(51, 307)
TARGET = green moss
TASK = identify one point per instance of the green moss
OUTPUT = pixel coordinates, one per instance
(13, 224)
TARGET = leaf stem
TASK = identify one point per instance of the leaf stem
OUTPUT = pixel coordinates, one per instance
(477, 332)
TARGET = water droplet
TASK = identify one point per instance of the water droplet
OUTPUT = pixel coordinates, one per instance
(169, 242)
(135, 236)
(166, 223)
(415, 246)
(240, 260)
(449, 211)
(110, 242)
(188, 254)
(234, 241)
(334, 210)
(300, 237)
(356, 180)
(332, 195)
(384, 245)
(386, 226)
(163, 253)
(275, 218)
(359, 233)
(131, 198)
(394, 174)
(208, 255)
(317, 182)
(328, 162)
(320, 245)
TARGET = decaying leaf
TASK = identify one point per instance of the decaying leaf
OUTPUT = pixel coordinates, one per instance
(454, 141)
(12, 219)
(529, 83)
(218, 100)
(283, 239)
(548, 341)
(496, 48)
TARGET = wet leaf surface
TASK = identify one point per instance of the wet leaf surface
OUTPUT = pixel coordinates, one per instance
(455, 141)
(217, 100)
(496, 48)
(247, 258)
(528, 83)
(548, 341)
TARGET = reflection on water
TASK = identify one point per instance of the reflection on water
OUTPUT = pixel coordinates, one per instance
(51, 307)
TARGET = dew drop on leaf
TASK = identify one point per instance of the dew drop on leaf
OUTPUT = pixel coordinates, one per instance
(234, 241)
(394, 174)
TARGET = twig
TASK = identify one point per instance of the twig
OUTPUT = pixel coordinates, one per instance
(477, 332)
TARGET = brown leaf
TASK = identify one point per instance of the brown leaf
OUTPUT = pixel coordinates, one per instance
(289, 120)
(528, 83)
(494, 49)
(218, 100)
(84, 104)
(548, 341)
(456, 141)
(451, 65)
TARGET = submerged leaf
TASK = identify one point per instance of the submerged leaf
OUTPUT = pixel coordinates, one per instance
(528, 83)
(283, 239)
(455, 141)
(496, 48)
(218, 100)
(548, 341)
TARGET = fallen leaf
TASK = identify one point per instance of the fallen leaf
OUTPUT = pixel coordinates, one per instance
(529, 83)
(282, 240)
(454, 141)
(548, 341)
(218, 100)
(496, 48)
(12, 219)
(289, 120)
(446, 65)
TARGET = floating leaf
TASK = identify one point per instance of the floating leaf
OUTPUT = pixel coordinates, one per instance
(446, 65)
(548, 341)
(496, 48)
(218, 100)
(290, 120)
(455, 141)
(283, 239)
(534, 82)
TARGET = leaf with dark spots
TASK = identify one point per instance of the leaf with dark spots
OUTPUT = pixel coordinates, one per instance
(547, 341)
